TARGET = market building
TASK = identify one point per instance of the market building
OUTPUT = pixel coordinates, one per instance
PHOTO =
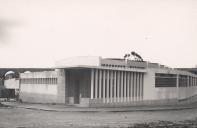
(108, 82)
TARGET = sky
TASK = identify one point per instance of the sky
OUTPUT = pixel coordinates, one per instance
(36, 33)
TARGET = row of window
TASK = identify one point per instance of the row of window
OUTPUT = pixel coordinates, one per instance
(170, 80)
(165, 80)
(119, 66)
(39, 81)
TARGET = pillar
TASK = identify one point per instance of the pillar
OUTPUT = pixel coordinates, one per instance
(107, 86)
(121, 87)
(142, 87)
(96, 84)
(111, 86)
(125, 86)
(177, 86)
(118, 86)
(92, 84)
(128, 86)
(115, 87)
(104, 72)
(131, 86)
(139, 88)
(100, 83)
(134, 86)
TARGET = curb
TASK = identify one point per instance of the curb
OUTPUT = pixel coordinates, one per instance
(164, 108)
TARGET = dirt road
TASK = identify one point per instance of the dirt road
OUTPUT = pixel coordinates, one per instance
(27, 118)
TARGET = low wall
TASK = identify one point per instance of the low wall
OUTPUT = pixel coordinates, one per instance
(99, 103)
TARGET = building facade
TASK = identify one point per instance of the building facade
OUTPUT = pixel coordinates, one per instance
(108, 82)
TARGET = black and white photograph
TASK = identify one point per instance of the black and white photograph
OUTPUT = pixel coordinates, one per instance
(98, 64)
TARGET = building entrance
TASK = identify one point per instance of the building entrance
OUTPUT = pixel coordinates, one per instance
(76, 92)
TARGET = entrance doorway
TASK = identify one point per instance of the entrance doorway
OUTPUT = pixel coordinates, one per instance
(76, 92)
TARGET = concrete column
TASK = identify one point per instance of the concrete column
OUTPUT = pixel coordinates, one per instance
(139, 87)
(96, 84)
(131, 86)
(134, 86)
(121, 87)
(115, 100)
(100, 84)
(177, 86)
(111, 86)
(142, 87)
(104, 72)
(188, 84)
(125, 86)
(140, 84)
(108, 86)
(128, 85)
(92, 83)
(195, 81)
(118, 86)
(139, 92)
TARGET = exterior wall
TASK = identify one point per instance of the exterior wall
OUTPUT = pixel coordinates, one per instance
(168, 94)
(38, 91)
(157, 93)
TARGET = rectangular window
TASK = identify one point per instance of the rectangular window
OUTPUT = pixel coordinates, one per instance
(165, 80)
(183, 81)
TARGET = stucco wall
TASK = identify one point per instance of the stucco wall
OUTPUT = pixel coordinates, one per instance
(156, 93)
(40, 93)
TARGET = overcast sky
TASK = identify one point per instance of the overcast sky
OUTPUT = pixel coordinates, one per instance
(36, 33)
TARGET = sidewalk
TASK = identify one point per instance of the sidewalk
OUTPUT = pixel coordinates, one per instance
(69, 108)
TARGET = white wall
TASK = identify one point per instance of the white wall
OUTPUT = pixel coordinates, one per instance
(39, 88)
(149, 85)
(153, 93)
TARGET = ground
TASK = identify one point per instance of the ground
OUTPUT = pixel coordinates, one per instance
(15, 117)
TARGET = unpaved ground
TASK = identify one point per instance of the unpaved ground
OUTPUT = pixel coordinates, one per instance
(27, 118)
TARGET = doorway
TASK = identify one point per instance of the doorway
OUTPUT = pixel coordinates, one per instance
(76, 92)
